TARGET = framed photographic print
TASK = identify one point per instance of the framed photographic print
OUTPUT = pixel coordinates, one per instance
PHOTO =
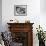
(20, 10)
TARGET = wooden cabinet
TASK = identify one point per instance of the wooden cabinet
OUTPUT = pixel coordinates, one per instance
(22, 33)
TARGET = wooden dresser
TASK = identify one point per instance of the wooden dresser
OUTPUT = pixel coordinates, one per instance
(22, 33)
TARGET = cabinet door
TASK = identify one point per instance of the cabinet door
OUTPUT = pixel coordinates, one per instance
(20, 37)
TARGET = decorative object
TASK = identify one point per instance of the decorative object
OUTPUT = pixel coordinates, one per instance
(1, 40)
(13, 21)
(41, 36)
(45, 35)
(7, 38)
(27, 21)
(20, 10)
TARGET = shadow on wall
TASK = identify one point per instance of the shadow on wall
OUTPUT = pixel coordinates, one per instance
(0, 15)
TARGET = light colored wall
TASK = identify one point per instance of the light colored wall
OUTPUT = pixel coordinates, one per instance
(0, 15)
(43, 6)
(43, 14)
(33, 11)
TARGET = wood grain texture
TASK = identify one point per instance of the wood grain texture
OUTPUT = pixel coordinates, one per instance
(22, 27)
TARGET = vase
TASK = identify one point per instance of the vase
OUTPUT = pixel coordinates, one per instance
(41, 43)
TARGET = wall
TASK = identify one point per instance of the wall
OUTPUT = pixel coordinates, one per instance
(43, 6)
(33, 10)
(43, 13)
(36, 19)
(33, 14)
(0, 15)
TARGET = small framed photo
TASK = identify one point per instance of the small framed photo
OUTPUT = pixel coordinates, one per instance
(20, 10)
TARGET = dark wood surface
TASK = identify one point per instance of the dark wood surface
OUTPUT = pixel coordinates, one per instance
(23, 27)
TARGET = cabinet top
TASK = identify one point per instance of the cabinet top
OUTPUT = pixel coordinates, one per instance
(19, 23)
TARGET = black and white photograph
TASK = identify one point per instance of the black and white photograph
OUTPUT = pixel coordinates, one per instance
(20, 10)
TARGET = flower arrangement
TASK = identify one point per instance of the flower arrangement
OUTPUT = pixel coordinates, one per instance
(40, 34)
